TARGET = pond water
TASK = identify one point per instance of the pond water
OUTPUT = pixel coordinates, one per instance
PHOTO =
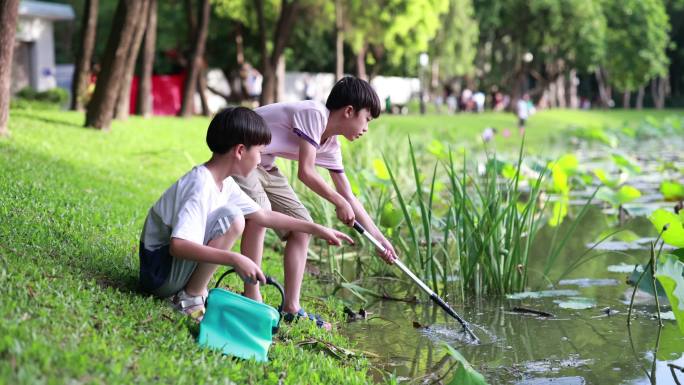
(587, 340)
(576, 346)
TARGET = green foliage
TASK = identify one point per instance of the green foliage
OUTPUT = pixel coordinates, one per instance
(671, 226)
(28, 98)
(636, 44)
(454, 48)
(672, 190)
(619, 197)
(627, 163)
(572, 31)
(465, 374)
(559, 34)
(403, 28)
(670, 274)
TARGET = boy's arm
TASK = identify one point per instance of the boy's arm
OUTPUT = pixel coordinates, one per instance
(309, 176)
(275, 220)
(344, 189)
(245, 267)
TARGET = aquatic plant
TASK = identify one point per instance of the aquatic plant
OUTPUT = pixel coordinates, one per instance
(494, 222)
(668, 268)
(672, 190)
(465, 373)
(616, 198)
(418, 249)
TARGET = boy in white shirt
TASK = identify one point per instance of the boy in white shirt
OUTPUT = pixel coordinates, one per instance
(191, 229)
(307, 132)
(524, 111)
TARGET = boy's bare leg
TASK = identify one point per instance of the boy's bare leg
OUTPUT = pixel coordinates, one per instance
(197, 285)
(252, 246)
(295, 260)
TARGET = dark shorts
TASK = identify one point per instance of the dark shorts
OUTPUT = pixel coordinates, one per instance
(164, 275)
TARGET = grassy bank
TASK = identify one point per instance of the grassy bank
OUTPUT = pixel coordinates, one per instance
(72, 202)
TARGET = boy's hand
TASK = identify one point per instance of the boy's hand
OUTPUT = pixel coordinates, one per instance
(333, 236)
(389, 255)
(345, 213)
(249, 271)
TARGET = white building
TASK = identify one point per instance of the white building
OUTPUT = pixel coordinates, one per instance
(34, 51)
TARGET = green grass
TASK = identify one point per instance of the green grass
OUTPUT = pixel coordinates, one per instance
(543, 128)
(72, 202)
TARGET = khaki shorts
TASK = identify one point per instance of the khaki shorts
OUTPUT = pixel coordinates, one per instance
(271, 190)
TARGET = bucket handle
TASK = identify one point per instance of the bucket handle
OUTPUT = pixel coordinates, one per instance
(269, 281)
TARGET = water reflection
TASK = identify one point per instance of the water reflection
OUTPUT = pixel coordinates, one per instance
(587, 344)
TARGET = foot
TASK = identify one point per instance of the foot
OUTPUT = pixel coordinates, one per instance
(189, 304)
(301, 314)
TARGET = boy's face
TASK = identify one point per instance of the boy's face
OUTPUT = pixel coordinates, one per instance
(356, 123)
(250, 159)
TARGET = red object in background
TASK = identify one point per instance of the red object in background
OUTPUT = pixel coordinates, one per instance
(167, 91)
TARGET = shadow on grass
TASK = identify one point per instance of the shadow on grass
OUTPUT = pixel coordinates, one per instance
(39, 116)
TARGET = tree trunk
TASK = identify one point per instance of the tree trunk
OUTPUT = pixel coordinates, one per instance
(79, 84)
(560, 91)
(123, 103)
(192, 22)
(573, 82)
(239, 45)
(378, 53)
(281, 35)
(659, 89)
(101, 107)
(605, 94)
(9, 12)
(202, 89)
(266, 96)
(280, 79)
(640, 98)
(239, 91)
(361, 63)
(543, 102)
(196, 61)
(339, 40)
(553, 94)
(626, 96)
(144, 99)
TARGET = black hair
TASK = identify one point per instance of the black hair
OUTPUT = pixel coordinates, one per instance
(355, 92)
(236, 125)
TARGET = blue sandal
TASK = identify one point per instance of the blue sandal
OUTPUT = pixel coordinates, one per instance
(320, 322)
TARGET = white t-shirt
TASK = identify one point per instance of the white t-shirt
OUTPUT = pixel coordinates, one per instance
(183, 209)
(523, 109)
(289, 122)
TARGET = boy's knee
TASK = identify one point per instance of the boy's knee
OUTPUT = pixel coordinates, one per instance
(238, 224)
(226, 220)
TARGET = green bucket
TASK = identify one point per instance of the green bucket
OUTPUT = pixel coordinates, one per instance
(237, 325)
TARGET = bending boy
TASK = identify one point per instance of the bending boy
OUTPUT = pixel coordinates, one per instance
(190, 230)
(307, 132)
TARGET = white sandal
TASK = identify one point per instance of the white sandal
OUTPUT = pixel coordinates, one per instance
(188, 304)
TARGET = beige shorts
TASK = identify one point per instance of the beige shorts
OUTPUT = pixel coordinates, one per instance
(271, 190)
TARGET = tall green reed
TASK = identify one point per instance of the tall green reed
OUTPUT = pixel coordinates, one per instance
(494, 223)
